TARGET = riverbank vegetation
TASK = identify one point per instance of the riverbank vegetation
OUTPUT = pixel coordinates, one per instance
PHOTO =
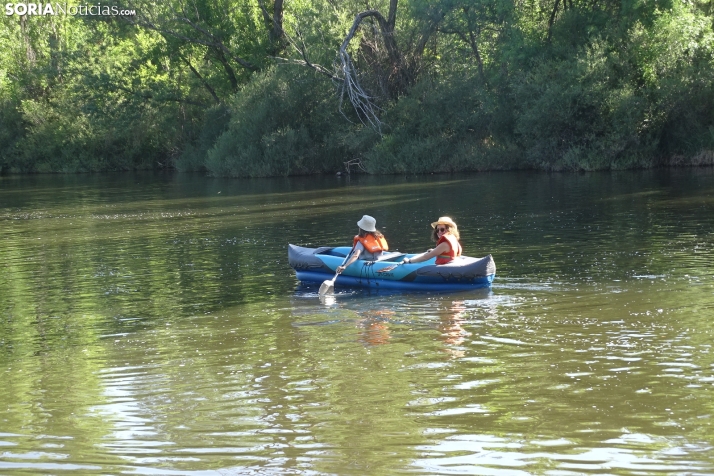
(267, 87)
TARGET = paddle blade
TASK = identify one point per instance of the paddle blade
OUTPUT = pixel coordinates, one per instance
(328, 286)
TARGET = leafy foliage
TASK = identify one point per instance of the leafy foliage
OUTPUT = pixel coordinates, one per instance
(282, 123)
(250, 87)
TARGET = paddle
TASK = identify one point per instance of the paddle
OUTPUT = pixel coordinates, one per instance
(389, 268)
(329, 284)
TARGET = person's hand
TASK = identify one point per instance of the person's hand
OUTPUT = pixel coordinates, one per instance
(407, 260)
(340, 269)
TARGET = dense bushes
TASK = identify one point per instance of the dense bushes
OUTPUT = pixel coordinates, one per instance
(589, 101)
(614, 108)
(80, 103)
(565, 86)
(284, 122)
(579, 115)
(62, 137)
(444, 125)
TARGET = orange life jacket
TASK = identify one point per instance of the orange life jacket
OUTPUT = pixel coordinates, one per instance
(371, 243)
(454, 248)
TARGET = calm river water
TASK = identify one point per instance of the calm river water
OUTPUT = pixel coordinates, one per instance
(150, 324)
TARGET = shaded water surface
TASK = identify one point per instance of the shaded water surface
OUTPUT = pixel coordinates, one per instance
(150, 324)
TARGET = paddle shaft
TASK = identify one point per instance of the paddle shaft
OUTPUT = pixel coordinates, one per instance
(329, 283)
(343, 263)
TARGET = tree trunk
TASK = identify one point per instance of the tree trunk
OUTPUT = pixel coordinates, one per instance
(227, 68)
(274, 23)
(552, 20)
(29, 50)
(477, 54)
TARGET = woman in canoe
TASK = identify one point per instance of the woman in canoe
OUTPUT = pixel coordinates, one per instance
(446, 235)
(368, 244)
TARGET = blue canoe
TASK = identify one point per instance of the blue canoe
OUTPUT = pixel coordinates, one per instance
(315, 265)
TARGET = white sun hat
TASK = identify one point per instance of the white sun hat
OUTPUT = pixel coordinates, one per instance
(367, 223)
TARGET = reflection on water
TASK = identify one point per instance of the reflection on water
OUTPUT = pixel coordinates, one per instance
(150, 325)
(452, 330)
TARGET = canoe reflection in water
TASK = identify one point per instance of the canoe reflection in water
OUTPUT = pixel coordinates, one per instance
(376, 321)
(374, 327)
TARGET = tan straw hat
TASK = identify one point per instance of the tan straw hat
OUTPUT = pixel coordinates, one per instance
(444, 221)
(367, 223)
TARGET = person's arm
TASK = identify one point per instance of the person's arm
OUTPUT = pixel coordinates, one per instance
(443, 248)
(353, 258)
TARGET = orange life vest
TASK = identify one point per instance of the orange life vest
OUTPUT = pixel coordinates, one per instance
(372, 243)
(454, 248)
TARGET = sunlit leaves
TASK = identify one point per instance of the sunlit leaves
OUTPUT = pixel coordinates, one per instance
(564, 83)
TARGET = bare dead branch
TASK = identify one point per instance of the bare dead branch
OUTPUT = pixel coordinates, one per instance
(301, 48)
(319, 68)
(356, 162)
(362, 102)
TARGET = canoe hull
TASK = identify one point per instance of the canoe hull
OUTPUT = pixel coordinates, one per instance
(315, 265)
